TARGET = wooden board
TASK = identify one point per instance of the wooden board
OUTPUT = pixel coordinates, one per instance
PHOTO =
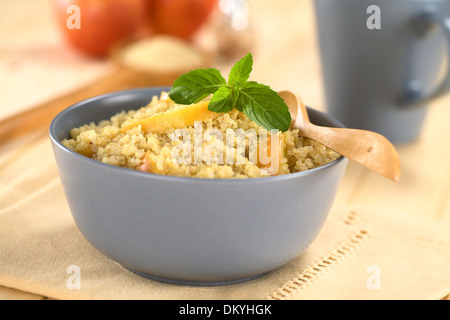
(40, 116)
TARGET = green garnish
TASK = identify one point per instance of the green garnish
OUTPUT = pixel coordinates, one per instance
(259, 102)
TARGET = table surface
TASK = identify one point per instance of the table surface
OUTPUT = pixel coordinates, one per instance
(36, 65)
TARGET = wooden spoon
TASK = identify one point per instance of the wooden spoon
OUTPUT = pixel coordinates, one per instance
(367, 148)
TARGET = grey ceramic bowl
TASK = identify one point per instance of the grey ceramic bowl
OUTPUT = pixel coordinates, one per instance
(188, 230)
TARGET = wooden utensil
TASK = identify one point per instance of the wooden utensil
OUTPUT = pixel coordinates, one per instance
(367, 148)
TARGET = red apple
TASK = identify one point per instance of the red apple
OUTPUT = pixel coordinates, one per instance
(180, 18)
(94, 26)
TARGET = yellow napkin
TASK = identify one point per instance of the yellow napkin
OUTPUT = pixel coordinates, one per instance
(359, 254)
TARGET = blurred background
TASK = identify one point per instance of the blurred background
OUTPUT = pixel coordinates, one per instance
(41, 57)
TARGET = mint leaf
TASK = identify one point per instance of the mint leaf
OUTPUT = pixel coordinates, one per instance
(258, 102)
(264, 106)
(240, 72)
(196, 85)
(223, 101)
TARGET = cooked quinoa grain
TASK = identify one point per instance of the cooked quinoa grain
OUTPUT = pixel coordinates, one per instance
(106, 142)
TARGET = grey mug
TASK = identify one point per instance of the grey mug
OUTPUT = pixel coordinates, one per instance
(383, 61)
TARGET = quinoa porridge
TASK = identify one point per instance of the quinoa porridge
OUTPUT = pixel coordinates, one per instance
(125, 141)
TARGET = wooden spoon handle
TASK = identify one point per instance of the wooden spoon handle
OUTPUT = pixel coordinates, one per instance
(368, 148)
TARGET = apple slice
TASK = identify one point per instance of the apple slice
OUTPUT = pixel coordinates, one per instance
(278, 154)
(173, 119)
(148, 165)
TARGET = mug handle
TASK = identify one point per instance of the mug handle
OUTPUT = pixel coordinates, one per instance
(415, 95)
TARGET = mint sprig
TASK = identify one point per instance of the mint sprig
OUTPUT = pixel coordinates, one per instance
(259, 102)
